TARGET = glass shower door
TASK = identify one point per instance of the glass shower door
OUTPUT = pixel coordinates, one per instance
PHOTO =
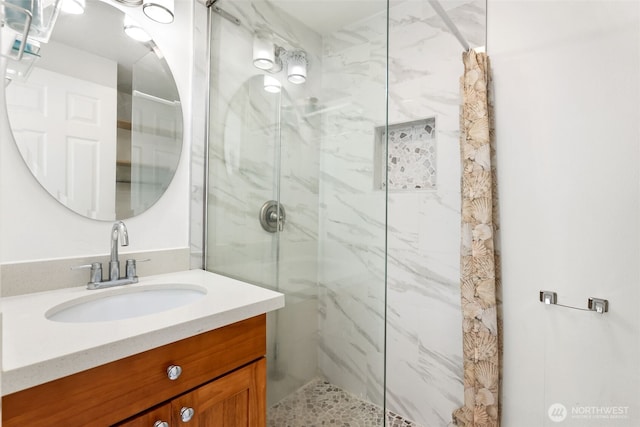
(244, 175)
(314, 147)
(246, 216)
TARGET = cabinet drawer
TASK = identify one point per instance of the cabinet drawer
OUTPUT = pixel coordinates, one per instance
(237, 399)
(150, 418)
(115, 391)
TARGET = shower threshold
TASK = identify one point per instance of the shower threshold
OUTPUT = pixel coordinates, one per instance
(320, 403)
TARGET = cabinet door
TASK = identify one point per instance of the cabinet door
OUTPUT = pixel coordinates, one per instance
(236, 400)
(152, 418)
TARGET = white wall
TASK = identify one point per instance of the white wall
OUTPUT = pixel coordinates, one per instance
(567, 98)
(35, 226)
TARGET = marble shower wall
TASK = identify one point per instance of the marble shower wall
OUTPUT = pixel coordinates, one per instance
(351, 282)
(424, 344)
(247, 148)
(331, 254)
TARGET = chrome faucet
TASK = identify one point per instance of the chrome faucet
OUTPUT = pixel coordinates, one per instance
(118, 232)
(118, 229)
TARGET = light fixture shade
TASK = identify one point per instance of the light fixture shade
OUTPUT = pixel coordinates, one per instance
(73, 7)
(134, 30)
(271, 84)
(297, 67)
(264, 56)
(159, 10)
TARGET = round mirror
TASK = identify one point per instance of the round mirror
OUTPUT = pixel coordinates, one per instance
(98, 119)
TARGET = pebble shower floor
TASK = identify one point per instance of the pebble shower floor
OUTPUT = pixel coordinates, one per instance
(320, 403)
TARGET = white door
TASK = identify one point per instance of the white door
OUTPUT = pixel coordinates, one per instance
(65, 129)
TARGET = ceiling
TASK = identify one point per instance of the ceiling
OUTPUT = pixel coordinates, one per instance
(328, 16)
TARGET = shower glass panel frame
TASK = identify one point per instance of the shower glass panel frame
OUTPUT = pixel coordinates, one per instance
(311, 149)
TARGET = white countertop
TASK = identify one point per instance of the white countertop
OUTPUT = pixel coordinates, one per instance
(36, 350)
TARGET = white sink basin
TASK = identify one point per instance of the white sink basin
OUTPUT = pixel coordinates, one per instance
(125, 303)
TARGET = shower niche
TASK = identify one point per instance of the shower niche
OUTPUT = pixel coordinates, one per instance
(410, 159)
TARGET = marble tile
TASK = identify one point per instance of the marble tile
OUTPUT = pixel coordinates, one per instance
(265, 147)
(331, 255)
(423, 324)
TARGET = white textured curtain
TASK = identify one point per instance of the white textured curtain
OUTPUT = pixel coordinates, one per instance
(481, 349)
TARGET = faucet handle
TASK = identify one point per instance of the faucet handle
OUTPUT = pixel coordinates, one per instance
(131, 267)
(96, 271)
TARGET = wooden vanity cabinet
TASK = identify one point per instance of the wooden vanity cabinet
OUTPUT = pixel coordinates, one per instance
(235, 400)
(152, 418)
(222, 379)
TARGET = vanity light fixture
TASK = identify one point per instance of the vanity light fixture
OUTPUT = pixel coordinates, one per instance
(159, 10)
(271, 84)
(264, 56)
(270, 57)
(73, 7)
(135, 31)
(32, 19)
(297, 67)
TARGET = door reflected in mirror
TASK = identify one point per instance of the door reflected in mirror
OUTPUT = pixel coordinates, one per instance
(98, 120)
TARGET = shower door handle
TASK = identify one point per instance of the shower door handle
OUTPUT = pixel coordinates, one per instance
(272, 216)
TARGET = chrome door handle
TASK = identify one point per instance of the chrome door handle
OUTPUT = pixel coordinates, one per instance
(186, 414)
(173, 372)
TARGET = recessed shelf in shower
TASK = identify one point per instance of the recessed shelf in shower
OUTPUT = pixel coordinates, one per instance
(410, 159)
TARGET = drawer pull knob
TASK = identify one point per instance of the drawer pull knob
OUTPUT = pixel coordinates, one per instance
(186, 414)
(161, 424)
(173, 372)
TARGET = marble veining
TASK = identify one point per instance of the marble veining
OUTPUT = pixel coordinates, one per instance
(331, 255)
(263, 147)
(352, 221)
(424, 374)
